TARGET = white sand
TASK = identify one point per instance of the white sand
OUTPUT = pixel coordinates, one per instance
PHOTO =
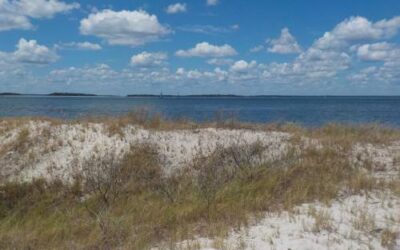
(57, 151)
(297, 230)
(60, 154)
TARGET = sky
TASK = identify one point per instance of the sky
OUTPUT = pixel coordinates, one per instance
(252, 47)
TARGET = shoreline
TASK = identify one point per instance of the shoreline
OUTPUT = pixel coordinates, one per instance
(67, 94)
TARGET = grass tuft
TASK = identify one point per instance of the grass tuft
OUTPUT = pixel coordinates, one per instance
(132, 203)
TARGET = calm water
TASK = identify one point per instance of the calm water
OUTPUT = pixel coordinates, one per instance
(303, 110)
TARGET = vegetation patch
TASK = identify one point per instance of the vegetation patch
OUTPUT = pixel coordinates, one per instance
(131, 203)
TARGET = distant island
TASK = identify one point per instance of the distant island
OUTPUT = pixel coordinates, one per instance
(69, 94)
(210, 96)
(176, 96)
(9, 93)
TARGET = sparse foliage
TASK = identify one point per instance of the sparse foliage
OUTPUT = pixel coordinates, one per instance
(129, 200)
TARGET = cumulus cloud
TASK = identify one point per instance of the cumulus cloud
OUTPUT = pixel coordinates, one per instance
(43, 8)
(79, 46)
(176, 8)
(77, 79)
(146, 59)
(17, 14)
(10, 21)
(329, 54)
(209, 29)
(378, 52)
(8, 64)
(315, 63)
(109, 80)
(29, 51)
(212, 2)
(198, 76)
(326, 61)
(285, 44)
(257, 48)
(242, 66)
(386, 73)
(93, 73)
(363, 75)
(235, 27)
(220, 61)
(356, 29)
(133, 28)
(205, 49)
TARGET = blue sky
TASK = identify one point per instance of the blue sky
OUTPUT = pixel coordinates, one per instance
(288, 47)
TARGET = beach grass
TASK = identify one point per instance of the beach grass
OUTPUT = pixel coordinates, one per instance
(132, 204)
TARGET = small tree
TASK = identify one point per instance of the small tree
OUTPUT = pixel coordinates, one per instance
(102, 177)
(101, 181)
(213, 171)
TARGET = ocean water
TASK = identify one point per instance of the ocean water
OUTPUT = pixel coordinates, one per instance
(309, 111)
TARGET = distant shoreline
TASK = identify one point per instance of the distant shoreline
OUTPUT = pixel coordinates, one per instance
(68, 94)
(9, 93)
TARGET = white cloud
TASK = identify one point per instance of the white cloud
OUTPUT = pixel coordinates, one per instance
(29, 51)
(132, 28)
(208, 29)
(194, 74)
(180, 71)
(285, 44)
(217, 75)
(347, 36)
(220, 61)
(329, 54)
(389, 72)
(100, 71)
(84, 78)
(315, 63)
(16, 68)
(326, 61)
(363, 75)
(382, 51)
(16, 14)
(356, 29)
(108, 80)
(79, 46)
(243, 66)
(176, 8)
(7, 63)
(235, 27)
(205, 49)
(11, 21)
(221, 75)
(146, 59)
(386, 73)
(43, 8)
(257, 48)
(212, 2)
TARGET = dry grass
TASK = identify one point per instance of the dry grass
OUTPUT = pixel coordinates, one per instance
(132, 204)
(366, 133)
(388, 239)
(322, 221)
(148, 118)
(364, 222)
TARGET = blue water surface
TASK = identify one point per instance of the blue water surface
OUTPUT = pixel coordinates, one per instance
(309, 111)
